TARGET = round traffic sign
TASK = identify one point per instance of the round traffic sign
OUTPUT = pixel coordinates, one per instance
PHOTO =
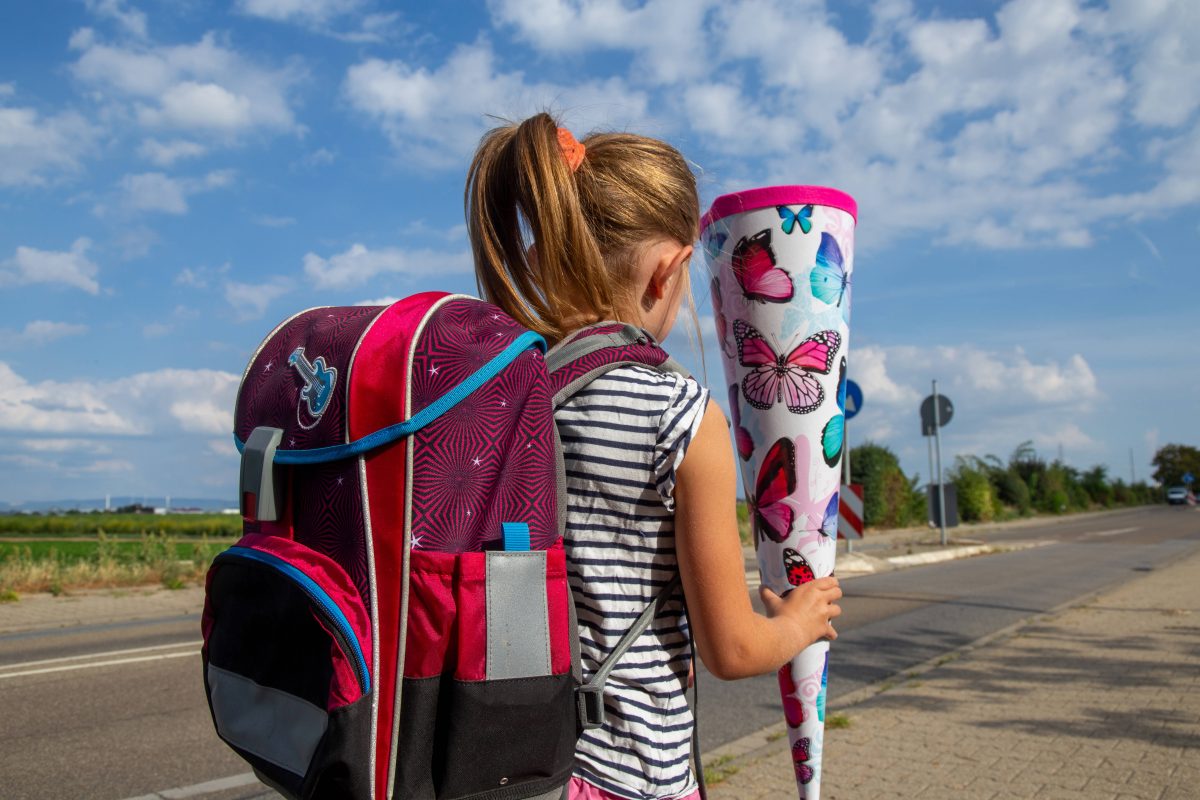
(945, 413)
(854, 399)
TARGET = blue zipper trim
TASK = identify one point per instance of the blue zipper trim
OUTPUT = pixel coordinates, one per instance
(318, 596)
(449, 400)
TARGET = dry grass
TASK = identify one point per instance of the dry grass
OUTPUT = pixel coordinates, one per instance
(154, 560)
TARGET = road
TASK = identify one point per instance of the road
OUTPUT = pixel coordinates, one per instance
(117, 711)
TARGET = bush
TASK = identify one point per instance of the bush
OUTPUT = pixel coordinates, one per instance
(976, 498)
(1011, 491)
(890, 499)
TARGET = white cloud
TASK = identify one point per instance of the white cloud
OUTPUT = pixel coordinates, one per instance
(360, 264)
(378, 301)
(663, 33)
(129, 19)
(869, 369)
(298, 10)
(164, 154)
(39, 332)
(166, 401)
(71, 268)
(193, 106)
(250, 300)
(34, 148)
(1001, 132)
(156, 191)
(155, 330)
(328, 18)
(60, 445)
(206, 88)
(435, 117)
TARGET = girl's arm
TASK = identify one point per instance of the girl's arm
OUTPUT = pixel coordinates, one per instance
(735, 641)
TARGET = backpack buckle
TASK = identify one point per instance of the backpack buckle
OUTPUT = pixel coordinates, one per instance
(590, 699)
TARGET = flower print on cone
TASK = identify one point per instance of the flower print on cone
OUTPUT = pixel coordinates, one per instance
(782, 262)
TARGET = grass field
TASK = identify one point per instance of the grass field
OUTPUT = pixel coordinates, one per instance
(58, 553)
(93, 523)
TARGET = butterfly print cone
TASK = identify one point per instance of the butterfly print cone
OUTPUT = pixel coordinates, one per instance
(782, 261)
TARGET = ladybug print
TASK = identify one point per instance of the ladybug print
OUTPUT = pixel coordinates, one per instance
(797, 567)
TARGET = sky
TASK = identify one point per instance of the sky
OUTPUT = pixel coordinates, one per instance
(177, 176)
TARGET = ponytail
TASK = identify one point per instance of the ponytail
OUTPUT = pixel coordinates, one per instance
(585, 225)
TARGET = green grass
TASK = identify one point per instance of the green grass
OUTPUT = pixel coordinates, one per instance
(719, 769)
(59, 566)
(94, 523)
(119, 549)
(837, 721)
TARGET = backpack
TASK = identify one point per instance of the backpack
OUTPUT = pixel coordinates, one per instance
(396, 620)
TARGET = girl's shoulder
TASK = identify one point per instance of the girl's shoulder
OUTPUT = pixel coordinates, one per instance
(645, 386)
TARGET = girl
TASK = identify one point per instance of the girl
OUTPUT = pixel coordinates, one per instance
(566, 234)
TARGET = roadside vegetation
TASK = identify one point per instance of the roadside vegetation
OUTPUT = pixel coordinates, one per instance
(57, 553)
(990, 489)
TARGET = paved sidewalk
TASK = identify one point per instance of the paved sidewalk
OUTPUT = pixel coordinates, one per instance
(98, 607)
(1100, 701)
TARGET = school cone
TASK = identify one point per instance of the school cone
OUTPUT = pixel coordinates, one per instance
(781, 260)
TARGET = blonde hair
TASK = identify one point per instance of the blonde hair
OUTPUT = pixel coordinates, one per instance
(587, 225)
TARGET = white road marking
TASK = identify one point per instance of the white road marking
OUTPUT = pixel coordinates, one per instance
(105, 654)
(109, 663)
(1115, 532)
(197, 789)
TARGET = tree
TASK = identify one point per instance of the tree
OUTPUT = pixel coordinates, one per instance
(890, 500)
(1172, 461)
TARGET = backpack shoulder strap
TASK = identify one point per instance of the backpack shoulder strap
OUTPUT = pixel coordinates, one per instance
(578, 360)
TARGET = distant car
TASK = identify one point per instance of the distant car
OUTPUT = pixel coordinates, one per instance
(1177, 495)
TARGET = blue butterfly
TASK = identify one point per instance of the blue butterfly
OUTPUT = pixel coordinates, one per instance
(830, 283)
(790, 218)
(834, 433)
(714, 244)
(830, 521)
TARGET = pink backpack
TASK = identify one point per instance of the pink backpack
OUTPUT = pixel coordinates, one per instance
(396, 620)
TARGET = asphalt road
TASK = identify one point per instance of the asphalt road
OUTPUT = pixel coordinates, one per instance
(112, 731)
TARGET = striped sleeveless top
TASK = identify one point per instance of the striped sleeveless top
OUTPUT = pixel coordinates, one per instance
(623, 437)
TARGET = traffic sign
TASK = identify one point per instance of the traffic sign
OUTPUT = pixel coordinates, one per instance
(945, 413)
(850, 512)
(854, 399)
(1187, 476)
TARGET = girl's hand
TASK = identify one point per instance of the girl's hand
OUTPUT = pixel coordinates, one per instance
(810, 607)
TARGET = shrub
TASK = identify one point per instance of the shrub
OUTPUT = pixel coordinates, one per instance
(976, 498)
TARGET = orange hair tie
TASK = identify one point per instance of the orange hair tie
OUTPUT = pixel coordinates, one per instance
(572, 150)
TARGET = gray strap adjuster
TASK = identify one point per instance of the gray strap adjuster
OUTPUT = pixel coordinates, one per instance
(261, 494)
(591, 705)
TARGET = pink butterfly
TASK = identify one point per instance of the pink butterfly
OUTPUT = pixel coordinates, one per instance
(775, 377)
(745, 442)
(754, 267)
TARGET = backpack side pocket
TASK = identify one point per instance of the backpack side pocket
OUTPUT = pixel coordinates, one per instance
(287, 666)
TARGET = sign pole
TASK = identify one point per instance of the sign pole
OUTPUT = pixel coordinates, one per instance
(937, 432)
(930, 483)
(846, 469)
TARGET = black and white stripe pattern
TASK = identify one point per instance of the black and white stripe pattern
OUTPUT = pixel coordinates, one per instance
(623, 437)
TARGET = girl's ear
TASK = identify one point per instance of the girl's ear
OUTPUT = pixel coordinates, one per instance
(671, 262)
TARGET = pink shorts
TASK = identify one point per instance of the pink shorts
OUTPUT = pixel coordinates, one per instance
(582, 790)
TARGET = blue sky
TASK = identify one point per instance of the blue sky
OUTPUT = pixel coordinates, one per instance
(175, 177)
